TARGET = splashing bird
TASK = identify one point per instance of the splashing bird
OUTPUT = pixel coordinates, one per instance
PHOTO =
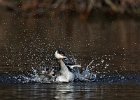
(66, 74)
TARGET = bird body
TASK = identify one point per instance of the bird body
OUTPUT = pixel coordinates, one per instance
(65, 74)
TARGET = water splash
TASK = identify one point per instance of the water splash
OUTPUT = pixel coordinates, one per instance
(84, 76)
(47, 74)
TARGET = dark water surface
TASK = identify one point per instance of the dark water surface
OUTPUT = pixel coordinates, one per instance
(70, 91)
(113, 44)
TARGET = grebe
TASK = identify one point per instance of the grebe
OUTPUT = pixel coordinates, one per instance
(66, 74)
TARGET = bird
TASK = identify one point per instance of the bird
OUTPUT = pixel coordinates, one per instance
(66, 74)
(59, 55)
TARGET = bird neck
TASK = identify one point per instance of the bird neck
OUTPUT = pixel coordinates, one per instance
(63, 66)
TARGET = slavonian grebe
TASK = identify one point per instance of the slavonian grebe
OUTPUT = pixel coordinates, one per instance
(66, 75)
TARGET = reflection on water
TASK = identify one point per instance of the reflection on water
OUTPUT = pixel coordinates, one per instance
(71, 91)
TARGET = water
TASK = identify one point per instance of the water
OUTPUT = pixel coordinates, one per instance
(70, 91)
(28, 44)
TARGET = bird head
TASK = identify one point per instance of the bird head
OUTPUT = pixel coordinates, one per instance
(59, 54)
